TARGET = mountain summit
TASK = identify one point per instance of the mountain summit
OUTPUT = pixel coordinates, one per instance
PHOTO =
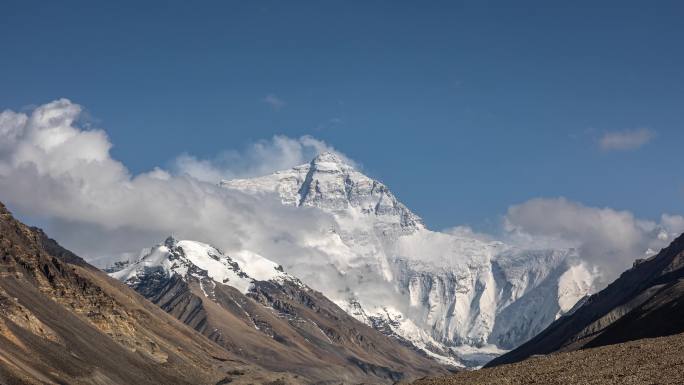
(330, 158)
(460, 299)
(330, 183)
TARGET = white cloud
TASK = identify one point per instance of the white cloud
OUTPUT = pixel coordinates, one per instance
(468, 232)
(626, 140)
(260, 158)
(611, 239)
(52, 169)
(275, 102)
(673, 223)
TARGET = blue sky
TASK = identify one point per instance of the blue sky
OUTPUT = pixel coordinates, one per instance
(462, 108)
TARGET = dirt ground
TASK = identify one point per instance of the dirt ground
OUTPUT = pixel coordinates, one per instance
(655, 361)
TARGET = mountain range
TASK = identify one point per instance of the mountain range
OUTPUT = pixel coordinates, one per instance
(388, 300)
(631, 332)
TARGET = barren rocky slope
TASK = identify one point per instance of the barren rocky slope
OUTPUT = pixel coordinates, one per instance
(646, 361)
(64, 322)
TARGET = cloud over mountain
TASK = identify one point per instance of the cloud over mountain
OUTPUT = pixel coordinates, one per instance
(259, 158)
(51, 168)
(610, 238)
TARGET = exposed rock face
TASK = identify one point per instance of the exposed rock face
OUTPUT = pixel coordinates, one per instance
(257, 311)
(64, 322)
(459, 298)
(645, 301)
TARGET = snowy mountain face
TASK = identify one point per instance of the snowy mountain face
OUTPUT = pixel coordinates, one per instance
(204, 263)
(251, 307)
(334, 186)
(646, 301)
(460, 299)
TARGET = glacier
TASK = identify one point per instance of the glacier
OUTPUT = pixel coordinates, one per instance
(459, 298)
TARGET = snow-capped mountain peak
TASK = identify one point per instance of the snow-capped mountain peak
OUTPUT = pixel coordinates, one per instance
(454, 296)
(329, 161)
(191, 259)
(332, 184)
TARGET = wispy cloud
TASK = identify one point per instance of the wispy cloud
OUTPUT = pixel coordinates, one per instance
(626, 140)
(259, 158)
(275, 102)
(328, 124)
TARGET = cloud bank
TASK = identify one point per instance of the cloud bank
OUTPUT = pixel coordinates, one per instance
(609, 238)
(50, 168)
(626, 140)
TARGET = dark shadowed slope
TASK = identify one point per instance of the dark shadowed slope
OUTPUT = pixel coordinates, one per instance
(646, 301)
(646, 361)
(64, 322)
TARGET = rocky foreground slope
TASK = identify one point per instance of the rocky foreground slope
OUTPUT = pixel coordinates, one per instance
(645, 301)
(251, 307)
(63, 321)
(647, 361)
